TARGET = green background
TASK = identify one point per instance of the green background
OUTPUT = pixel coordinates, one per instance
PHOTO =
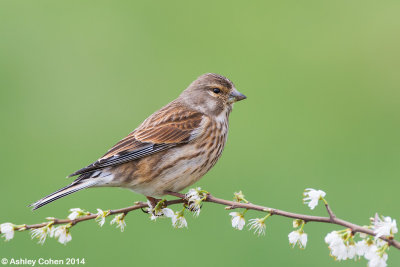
(322, 80)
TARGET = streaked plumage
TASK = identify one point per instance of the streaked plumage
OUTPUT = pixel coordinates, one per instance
(171, 149)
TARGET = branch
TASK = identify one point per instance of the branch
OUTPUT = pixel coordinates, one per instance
(91, 216)
(307, 218)
(341, 243)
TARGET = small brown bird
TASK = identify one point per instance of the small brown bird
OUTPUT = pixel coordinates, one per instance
(171, 150)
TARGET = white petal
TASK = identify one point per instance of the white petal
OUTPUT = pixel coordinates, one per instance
(293, 237)
(168, 212)
(303, 240)
(241, 223)
(7, 229)
(179, 221)
(361, 247)
(351, 251)
(385, 227)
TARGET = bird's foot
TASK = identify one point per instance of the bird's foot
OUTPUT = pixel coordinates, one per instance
(153, 201)
(160, 205)
(156, 206)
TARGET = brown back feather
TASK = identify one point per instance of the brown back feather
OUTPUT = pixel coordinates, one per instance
(172, 125)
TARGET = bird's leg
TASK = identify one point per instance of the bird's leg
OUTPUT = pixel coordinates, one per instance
(156, 205)
(153, 202)
(160, 205)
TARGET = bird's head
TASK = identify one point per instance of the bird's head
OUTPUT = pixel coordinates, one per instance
(211, 94)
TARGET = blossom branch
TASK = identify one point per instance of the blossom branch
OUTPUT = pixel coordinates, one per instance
(375, 238)
(91, 216)
(306, 218)
(229, 205)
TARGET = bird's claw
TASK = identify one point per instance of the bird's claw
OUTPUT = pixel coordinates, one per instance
(155, 206)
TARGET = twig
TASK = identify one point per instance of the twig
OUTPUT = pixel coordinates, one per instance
(332, 216)
(92, 216)
(332, 219)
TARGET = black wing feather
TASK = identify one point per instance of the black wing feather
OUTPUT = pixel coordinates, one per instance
(123, 157)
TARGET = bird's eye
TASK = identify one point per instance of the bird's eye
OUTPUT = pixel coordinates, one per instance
(217, 90)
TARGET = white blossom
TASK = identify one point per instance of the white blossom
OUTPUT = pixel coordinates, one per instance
(333, 238)
(153, 217)
(384, 227)
(336, 245)
(75, 213)
(42, 232)
(178, 220)
(195, 207)
(193, 193)
(368, 247)
(378, 261)
(258, 225)
(342, 246)
(339, 251)
(7, 229)
(167, 212)
(157, 213)
(238, 220)
(361, 247)
(299, 238)
(372, 252)
(375, 257)
(152, 211)
(194, 199)
(351, 251)
(120, 221)
(63, 234)
(101, 216)
(312, 196)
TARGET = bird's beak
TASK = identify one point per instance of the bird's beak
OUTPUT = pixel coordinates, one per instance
(236, 96)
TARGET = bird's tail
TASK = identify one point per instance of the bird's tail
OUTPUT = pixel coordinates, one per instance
(65, 191)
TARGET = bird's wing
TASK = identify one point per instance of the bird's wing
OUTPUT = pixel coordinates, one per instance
(168, 127)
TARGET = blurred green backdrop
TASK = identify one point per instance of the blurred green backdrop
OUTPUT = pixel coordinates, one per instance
(322, 80)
